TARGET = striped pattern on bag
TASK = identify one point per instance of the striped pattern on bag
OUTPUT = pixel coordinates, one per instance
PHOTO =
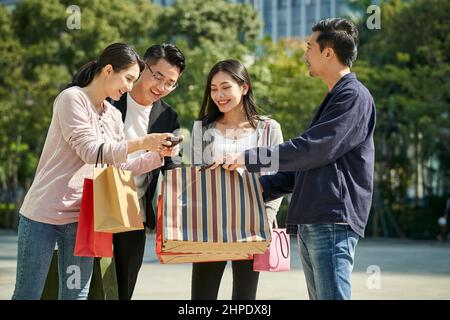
(214, 207)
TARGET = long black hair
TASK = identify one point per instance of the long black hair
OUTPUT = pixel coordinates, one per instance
(209, 112)
(119, 55)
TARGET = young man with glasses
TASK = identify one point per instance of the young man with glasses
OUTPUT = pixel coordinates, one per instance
(144, 112)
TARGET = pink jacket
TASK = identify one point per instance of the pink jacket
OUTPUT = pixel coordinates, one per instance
(70, 150)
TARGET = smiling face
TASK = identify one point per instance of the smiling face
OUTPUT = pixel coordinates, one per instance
(117, 83)
(226, 92)
(152, 85)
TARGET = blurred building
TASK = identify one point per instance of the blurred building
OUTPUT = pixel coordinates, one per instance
(282, 18)
(9, 2)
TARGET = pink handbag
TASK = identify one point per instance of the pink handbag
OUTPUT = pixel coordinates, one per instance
(278, 257)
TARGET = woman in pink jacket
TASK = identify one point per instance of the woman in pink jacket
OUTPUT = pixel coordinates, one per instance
(82, 121)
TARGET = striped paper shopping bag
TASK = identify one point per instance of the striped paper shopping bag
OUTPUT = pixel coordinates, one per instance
(213, 211)
(188, 257)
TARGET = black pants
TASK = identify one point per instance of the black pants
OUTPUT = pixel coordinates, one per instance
(128, 256)
(206, 277)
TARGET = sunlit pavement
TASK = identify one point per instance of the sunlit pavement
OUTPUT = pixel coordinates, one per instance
(384, 269)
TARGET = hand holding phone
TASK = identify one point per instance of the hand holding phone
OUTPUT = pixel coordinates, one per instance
(175, 140)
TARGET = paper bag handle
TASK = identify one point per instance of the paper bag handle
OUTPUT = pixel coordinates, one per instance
(275, 222)
(283, 253)
(99, 155)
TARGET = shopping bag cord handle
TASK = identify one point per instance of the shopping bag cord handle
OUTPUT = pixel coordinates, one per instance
(283, 253)
(99, 155)
(286, 242)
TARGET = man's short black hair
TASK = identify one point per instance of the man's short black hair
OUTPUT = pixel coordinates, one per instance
(166, 51)
(341, 35)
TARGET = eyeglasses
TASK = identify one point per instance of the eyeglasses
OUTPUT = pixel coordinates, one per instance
(160, 78)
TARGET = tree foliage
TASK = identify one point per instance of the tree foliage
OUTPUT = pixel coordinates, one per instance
(405, 65)
(221, 22)
(412, 32)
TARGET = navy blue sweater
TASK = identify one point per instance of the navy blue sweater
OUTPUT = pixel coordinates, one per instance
(329, 168)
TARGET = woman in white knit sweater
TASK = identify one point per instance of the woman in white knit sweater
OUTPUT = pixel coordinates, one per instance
(229, 123)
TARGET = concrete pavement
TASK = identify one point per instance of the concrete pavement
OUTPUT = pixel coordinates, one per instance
(384, 269)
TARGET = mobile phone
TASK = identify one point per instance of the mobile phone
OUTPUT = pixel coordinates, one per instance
(175, 140)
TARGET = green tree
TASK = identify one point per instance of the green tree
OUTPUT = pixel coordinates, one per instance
(412, 32)
(406, 68)
(39, 54)
(218, 21)
(11, 145)
(42, 28)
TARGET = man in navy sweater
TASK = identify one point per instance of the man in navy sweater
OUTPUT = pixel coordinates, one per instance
(329, 168)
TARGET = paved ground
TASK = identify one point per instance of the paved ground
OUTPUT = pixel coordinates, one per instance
(384, 269)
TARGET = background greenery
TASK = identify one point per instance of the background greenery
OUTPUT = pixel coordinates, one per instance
(405, 65)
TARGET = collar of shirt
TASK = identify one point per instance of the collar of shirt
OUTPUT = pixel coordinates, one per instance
(141, 108)
(343, 81)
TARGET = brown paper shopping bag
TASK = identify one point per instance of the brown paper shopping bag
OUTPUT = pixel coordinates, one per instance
(213, 212)
(116, 206)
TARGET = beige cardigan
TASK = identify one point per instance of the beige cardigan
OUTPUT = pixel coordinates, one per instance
(275, 137)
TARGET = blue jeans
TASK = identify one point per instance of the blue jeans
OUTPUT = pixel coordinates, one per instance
(34, 254)
(327, 252)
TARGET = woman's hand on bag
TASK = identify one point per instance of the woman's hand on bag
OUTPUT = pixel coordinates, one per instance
(157, 141)
(214, 165)
(233, 161)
